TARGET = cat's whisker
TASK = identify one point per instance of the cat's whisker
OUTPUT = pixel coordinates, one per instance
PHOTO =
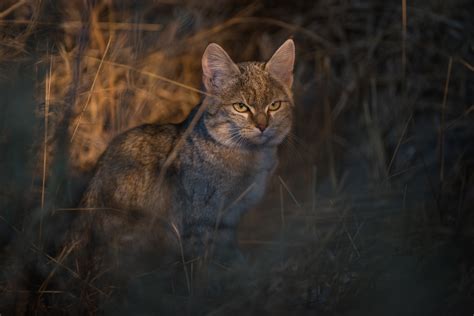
(296, 139)
(240, 141)
(299, 144)
(291, 146)
(233, 138)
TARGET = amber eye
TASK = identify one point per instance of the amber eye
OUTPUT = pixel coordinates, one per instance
(240, 107)
(275, 105)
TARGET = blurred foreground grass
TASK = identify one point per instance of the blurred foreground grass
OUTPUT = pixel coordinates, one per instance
(371, 210)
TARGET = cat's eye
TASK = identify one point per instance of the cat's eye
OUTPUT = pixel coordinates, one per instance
(240, 107)
(275, 105)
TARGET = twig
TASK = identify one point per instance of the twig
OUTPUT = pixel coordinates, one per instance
(352, 242)
(107, 26)
(443, 123)
(466, 64)
(404, 37)
(261, 20)
(12, 8)
(398, 144)
(272, 243)
(462, 195)
(153, 75)
(289, 192)
(64, 253)
(188, 284)
(466, 113)
(89, 97)
(29, 291)
(313, 188)
(400, 172)
(432, 186)
(95, 209)
(90, 209)
(282, 208)
(240, 197)
(47, 95)
(342, 102)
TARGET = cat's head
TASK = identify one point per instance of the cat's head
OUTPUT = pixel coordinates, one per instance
(253, 104)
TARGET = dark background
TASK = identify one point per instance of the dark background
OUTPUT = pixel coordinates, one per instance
(371, 210)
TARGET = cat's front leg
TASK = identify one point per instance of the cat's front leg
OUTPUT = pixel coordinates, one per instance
(213, 242)
(226, 248)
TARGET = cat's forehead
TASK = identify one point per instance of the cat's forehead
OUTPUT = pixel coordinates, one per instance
(253, 72)
(256, 83)
(251, 67)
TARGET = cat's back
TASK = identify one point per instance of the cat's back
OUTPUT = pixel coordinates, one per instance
(126, 170)
(144, 145)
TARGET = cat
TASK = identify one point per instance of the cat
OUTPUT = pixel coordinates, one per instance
(182, 188)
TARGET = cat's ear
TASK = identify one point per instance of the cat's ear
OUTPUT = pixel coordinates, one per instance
(282, 62)
(217, 67)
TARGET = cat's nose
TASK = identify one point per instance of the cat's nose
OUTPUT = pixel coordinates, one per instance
(261, 121)
(261, 126)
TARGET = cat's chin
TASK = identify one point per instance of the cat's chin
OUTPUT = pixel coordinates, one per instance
(259, 139)
(264, 140)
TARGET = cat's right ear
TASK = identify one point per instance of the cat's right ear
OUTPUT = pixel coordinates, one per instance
(282, 62)
(217, 67)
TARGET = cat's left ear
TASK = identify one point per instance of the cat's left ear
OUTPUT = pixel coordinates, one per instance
(218, 68)
(282, 62)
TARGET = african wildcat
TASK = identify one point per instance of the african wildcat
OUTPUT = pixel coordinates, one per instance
(187, 185)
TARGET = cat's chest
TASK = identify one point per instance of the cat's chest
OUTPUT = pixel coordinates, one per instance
(239, 168)
(219, 178)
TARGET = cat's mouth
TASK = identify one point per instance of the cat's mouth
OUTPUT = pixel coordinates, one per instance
(269, 137)
(261, 138)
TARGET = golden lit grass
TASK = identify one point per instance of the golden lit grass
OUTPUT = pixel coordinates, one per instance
(13, 39)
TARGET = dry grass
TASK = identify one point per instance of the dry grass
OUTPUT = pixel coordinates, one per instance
(384, 110)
